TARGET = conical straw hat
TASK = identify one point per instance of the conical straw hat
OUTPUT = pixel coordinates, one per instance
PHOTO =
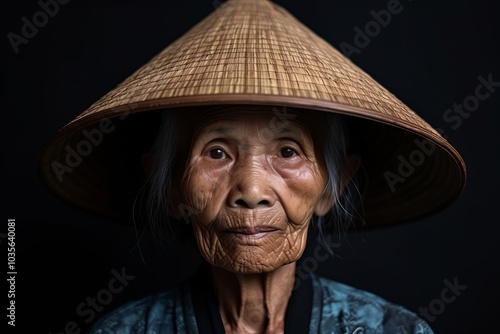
(252, 52)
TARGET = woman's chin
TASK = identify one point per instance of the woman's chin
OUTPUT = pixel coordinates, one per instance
(256, 253)
(249, 269)
(251, 264)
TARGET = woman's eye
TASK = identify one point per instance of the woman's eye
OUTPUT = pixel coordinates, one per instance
(217, 153)
(287, 152)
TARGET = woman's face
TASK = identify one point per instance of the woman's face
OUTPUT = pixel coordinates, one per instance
(252, 183)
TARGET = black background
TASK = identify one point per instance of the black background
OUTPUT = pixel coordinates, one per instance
(430, 56)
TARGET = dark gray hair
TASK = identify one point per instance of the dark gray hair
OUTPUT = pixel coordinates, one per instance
(347, 206)
(155, 204)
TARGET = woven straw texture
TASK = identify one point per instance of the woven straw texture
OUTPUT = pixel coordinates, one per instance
(255, 52)
(253, 47)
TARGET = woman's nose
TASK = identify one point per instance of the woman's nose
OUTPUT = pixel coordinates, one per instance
(251, 187)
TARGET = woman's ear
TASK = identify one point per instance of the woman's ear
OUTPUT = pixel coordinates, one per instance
(351, 166)
(177, 208)
(324, 204)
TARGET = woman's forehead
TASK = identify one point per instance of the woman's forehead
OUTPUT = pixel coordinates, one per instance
(228, 119)
(240, 122)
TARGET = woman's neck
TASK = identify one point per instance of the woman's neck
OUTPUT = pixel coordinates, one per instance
(253, 303)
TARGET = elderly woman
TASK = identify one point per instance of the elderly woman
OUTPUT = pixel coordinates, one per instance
(250, 178)
(252, 184)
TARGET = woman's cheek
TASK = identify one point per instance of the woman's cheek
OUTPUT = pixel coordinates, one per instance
(304, 186)
(300, 171)
(204, 190)
(194, 190)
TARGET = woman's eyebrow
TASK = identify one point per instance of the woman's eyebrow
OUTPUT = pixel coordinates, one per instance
(221, 129)
(283, 130)
(228, 129)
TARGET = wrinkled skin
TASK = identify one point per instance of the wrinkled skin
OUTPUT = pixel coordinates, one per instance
(253, 194)
(253, 183)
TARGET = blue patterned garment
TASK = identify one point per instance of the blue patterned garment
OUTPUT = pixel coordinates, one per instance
(336, 309)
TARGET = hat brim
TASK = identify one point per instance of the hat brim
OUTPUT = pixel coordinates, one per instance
(410, 174)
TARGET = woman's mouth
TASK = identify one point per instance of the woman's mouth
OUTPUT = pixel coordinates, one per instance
(250, 233)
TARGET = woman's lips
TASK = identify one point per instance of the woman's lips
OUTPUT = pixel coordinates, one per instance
(250, 233)
(251, 230)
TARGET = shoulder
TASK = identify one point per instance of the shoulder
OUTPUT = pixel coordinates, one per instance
(140, 316)
(354, 309)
